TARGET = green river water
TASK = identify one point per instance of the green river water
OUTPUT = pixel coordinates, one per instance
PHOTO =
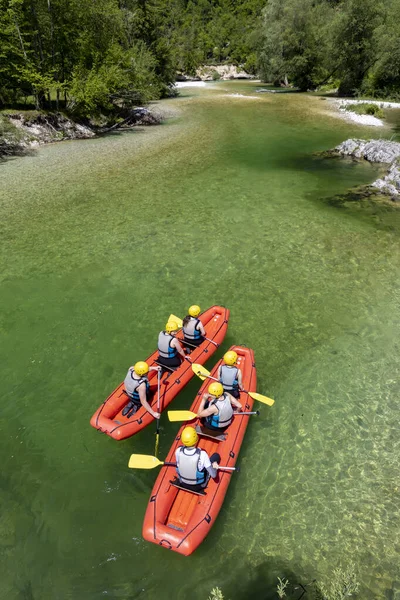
(100, 241)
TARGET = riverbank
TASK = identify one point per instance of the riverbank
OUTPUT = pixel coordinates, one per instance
(375, 151)
(216, 73)
(21, 131)
(341, 106)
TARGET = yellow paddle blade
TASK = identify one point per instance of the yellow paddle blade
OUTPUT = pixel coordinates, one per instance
(261, 398)
(143, 461)
(181, 415)
(178, 321)
(200, 371)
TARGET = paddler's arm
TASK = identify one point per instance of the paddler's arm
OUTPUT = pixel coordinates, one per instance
(211, 468)
(176, 344)
(234, 402)
(206, 412)
(145, 404)
(240, 380)
(200, 328)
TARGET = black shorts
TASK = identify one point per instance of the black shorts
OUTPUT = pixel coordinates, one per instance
(234, 392)
(172, 363)
(193, 342)
(203, 421)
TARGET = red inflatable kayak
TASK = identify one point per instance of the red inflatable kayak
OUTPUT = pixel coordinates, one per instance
(109, 419)
(178, 519)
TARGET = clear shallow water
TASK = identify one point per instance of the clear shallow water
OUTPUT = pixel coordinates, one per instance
(101, 241)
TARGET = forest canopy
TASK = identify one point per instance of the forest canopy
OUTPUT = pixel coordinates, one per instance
(94, 55)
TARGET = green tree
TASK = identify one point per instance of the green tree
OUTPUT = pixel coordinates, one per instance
(354, 42)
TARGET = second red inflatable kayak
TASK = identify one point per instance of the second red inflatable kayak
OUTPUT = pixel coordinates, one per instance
(178, 519)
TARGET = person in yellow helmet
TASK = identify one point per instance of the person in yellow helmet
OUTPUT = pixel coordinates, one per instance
(216, 407)
(169, 348)
(137, 388)
(230, 375)
(193, 329)
(194, 467)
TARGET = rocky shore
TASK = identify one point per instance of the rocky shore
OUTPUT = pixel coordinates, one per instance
(343, 106)
(21, 131)
(376, 151)
(215, 73)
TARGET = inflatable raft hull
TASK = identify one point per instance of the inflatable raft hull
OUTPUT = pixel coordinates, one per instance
(108, 417)
(177, 519)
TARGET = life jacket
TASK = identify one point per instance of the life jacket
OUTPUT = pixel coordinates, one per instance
(165, 349)
(229, 377)
(191, 331)
(225, 412)
(131, 385)
(188, 466)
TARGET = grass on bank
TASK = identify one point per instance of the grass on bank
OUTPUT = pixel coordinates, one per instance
(366, 108)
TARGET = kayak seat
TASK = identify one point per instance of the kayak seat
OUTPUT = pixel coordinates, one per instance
(180, 486)
(209, 433)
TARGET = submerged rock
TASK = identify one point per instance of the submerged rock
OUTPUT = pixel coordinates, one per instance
(376, 151)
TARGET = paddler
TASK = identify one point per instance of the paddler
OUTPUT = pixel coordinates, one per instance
(230, 375)
(169, 347)
(193, 329)
(216, 407)
(137, 388)
(194, 466)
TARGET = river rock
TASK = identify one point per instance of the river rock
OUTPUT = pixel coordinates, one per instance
(43, 128)
(224, 72)
(379, 151)
(376, 151)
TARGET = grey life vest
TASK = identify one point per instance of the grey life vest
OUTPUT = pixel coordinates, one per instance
(165, 349)
(191, 331)
(229, 377)
(225, 412)
(188, 466)
(131, 384)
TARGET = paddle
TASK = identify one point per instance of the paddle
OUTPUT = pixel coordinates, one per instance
(158, 410)
(204, 374)
(179, 322)
(145, 461)
(188, 415)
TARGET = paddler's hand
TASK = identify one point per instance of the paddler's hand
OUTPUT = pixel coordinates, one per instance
(188, 359)
(215, 465)
(156, 415)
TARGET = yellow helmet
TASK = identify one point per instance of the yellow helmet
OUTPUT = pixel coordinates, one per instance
(189, 436)
(194, 310)
(216, 389)
(171, 326)
(230, 357)
(141, 367)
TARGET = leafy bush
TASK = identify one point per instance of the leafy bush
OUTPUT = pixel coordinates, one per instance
(366, 108)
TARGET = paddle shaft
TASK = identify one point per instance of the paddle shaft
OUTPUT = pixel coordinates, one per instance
(158, 410)
(171, 464)
(184, 342)
(215, 379)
